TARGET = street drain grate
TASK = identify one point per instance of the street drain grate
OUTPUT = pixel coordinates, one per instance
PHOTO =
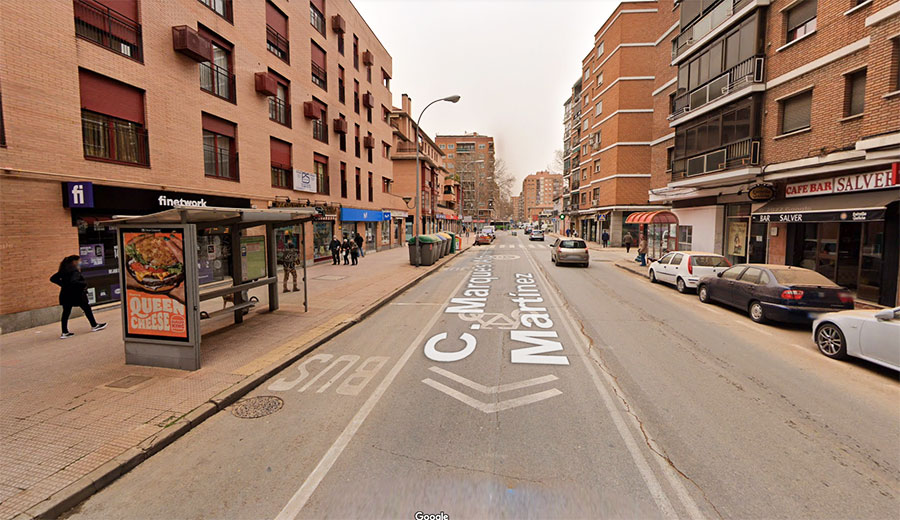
(127, 382)
(256, 407)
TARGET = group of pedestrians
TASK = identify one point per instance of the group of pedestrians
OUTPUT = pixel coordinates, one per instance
(350, 249)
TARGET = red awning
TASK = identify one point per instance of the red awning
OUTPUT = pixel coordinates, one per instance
(652, 217)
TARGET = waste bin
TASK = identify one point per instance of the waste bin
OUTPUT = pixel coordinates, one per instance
(443, 244)
(428, 247)
(447, 242)
(452, 242)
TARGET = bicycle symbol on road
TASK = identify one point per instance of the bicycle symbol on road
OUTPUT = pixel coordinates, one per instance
(491, 320)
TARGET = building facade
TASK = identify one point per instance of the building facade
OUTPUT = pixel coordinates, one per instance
(786, 120)
(539, 190)
(123, 107)
(610, 126)
(470, 162)
(439, 192)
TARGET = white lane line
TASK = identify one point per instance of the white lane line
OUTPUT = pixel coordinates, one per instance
(754, 328)
(498, 389)
(653, 486)
(301, 496)
(492, 407)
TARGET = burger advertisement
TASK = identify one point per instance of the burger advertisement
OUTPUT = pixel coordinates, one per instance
(154, 273)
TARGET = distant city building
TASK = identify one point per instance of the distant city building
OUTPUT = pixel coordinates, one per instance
(469, 158)
(538, 192)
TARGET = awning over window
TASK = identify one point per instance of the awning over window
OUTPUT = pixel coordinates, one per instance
(652, 217)
(848, 207)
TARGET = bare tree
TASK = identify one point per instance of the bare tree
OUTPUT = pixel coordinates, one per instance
(558, 162)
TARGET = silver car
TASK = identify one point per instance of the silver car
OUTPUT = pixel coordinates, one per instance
(570, 251)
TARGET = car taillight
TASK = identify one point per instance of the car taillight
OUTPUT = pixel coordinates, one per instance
(845, 297)
(690, 266)
(791, 294)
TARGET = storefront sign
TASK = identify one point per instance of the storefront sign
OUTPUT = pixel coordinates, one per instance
(155, 296)
(861, 215)
(761, 192)
(385, 215)
(79, 194)
(362, 215)
(305, 181)
(843, 184)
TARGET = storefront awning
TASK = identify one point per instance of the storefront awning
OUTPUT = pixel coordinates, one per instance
(848, 207)
(652, 217)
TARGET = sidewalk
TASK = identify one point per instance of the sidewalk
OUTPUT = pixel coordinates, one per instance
(74, 416)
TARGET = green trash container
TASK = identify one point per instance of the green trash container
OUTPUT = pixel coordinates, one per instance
(428, 247)
(452, 242)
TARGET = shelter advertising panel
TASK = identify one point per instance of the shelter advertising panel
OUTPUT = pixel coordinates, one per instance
(156, 298)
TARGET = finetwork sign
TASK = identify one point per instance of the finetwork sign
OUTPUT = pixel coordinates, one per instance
(166, 201)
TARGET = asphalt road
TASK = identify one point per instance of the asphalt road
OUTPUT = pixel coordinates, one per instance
(573, 393)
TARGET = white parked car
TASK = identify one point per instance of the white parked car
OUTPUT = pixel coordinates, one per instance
(870, 335)
(684, 269)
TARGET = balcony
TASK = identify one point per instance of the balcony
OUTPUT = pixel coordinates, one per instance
(217, 80)
(743, 74)
(107, 28)
(278, 44)
(319, 76)
(279, 111)
(711, 19)
(745, 152)
(320, 130)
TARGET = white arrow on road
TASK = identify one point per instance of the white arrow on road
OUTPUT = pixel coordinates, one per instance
(492, 390)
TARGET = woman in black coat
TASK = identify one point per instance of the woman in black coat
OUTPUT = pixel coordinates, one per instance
(73, 293)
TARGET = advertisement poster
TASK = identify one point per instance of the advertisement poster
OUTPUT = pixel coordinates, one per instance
(91, 255)
(253, 257)
(737, 238)
(154, 294)
(305, 181)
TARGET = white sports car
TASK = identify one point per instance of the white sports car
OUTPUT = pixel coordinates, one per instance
(870, 335)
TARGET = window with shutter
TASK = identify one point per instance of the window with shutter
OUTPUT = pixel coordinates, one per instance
(854, 93)
(282, 174)
(801, 20)
(219, 148)
(319, 76)
(112, 120)
(277, 32)
(795, 112)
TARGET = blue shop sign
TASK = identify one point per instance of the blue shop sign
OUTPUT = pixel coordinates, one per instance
(363, 215)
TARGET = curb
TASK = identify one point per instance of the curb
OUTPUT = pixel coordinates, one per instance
(631, 269)
(97, 479)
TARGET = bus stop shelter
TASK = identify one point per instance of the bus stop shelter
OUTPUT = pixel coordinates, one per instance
(659, 228)
(158, 273)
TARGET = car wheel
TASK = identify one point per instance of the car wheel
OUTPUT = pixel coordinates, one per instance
(703, 294)
(652, 276)
(757, 313)
(680, 285)
(586, 265)
(830, 341)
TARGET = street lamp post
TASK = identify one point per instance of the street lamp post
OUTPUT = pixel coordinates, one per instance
(451, 99)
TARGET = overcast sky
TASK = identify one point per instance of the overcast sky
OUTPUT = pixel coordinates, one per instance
(513, 62)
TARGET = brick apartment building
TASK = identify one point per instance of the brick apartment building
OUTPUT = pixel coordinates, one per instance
(470, 161)
(440, 192)
(786, 121)
(609, 121)
(538, 193)
(123, 107)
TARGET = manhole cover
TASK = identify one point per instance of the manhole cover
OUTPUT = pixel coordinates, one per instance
(256, 407)
(505, 257)
(127, 382)
(330, 277)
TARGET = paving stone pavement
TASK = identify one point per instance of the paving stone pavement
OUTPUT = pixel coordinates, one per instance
(68, 407)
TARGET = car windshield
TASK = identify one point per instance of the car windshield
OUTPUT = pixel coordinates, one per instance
(573, 244)
(801, 276)
(709, 261)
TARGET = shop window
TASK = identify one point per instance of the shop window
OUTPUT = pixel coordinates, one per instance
(317, 15)
(222, 8)
(854, 93)
(385, 232)
(801, 20)
(216, 76)
(685, 238)
(795, 112)
(277, 32)
(220, 157)
(279, 104)
(112, 25)
(112, 120)
(323, 232)
(343, 180)
(282, 172)
(358, 184)
(320, 165)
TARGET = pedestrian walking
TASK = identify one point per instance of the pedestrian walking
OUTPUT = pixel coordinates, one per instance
(345, 248)
(335, 247)
(289, 262)
(642, 251)
(358, 240)
(605, 238)
(354, 251)
(73, 293)
(628, 240)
